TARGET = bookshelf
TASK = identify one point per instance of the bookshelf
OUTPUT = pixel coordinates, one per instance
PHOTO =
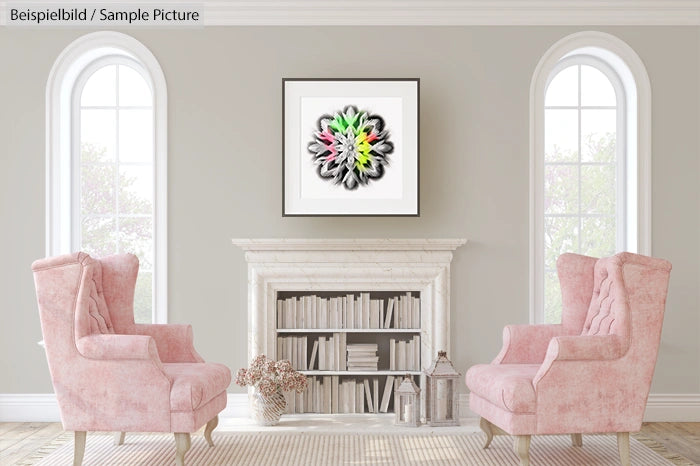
(353, 346)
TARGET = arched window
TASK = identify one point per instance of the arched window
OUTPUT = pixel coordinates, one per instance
(106, 155)
(590, 182)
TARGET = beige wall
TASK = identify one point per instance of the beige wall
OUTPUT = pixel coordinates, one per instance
(225, 168)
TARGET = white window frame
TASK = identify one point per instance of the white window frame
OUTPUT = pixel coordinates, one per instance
(619, 60)
(61, 139)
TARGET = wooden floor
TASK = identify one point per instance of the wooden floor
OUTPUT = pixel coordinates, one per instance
(18, 440)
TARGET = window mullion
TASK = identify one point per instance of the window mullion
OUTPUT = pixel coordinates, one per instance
(580, 221)
(116, 165)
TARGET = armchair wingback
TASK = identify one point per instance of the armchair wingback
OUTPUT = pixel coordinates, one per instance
(592, 372)
(111, 374)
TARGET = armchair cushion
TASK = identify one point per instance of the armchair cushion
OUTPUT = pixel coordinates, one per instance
(195, 384)
(508, 386)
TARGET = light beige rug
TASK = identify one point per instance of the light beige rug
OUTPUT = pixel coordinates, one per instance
(307, 449)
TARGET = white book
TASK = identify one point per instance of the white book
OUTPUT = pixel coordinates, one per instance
(322, 358)
(332, 313)
(343, 352)
(368, 396)
(324, 313)
(314, 350)
(288, 322)
(280, 313)
(295, 352)
(336, 351)
(299, 402)
(352, 396)
(416, 353)
(288, 350)
(365, 310)
(409, 312)
(389, 313)
(318, 392)
(409, 355)
(295, 319)
(308, 316)
(300, 313)
(327, 404)
(317, 313)
(375, 394)
(350, 303)
(334, 394)
(388, 388)
(330, 354)
(280, 348)
(401, 365)
(289, 397)
(400, 313)
(344, 314)
(416, 313)
(381, 313)
(312, 311)
(304, 352)
(358, 312)
(360, 398)
(374, 313)
(392, 354)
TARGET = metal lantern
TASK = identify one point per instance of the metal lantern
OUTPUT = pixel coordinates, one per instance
(442, 392)
(407, 403)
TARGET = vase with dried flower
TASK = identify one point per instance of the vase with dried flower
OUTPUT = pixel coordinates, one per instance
(270, 379)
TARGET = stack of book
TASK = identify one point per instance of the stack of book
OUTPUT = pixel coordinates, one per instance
(362, 357)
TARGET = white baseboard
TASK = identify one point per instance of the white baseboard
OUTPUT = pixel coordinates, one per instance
(32, 407)
(683, 407)
(42, 407)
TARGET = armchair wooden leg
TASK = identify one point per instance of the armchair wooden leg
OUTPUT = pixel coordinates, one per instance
(577, 440)
(182, 443)
(211, 425)
(119, 438)
(522, 448)
(623, 447)
(79, 447)
(487, 427)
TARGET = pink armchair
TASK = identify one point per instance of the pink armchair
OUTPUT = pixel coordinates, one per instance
(592, 372)
(110, 374)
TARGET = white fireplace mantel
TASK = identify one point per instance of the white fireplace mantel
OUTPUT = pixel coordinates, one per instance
(349, 265)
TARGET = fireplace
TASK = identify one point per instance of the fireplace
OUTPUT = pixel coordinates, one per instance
(280, 267)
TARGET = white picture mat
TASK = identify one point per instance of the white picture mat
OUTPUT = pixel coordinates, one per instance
(396, 193)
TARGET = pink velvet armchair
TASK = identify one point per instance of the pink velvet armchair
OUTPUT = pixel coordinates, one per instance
(592, 372)
(110, 374)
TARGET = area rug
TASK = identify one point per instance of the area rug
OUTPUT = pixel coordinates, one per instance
(307, 449)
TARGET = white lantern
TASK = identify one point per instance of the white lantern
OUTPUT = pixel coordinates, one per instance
(442, 392)
(407, 403)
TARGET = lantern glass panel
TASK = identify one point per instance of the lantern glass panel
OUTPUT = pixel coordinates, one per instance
(445, 397)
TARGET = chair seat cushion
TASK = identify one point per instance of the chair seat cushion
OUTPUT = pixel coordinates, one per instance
(508, 386)
(195, 384)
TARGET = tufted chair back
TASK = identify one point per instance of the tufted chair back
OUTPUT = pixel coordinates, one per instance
(91, 312)
(608, 312)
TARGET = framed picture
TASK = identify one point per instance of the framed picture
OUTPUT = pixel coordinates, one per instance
(350, 147)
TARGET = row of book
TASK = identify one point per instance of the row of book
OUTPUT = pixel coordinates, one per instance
(348, 311)
(327, 353)
(331, 395)
(335, 354)
(404, 355)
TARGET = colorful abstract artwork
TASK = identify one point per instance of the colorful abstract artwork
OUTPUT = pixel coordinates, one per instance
(351, 147)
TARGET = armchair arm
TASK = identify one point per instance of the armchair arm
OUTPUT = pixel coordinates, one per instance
(175, 342)
(565, 352)
(526, 344)
(118, 347)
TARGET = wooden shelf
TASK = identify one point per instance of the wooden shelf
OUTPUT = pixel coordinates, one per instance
(348, 330)
(321, 373)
